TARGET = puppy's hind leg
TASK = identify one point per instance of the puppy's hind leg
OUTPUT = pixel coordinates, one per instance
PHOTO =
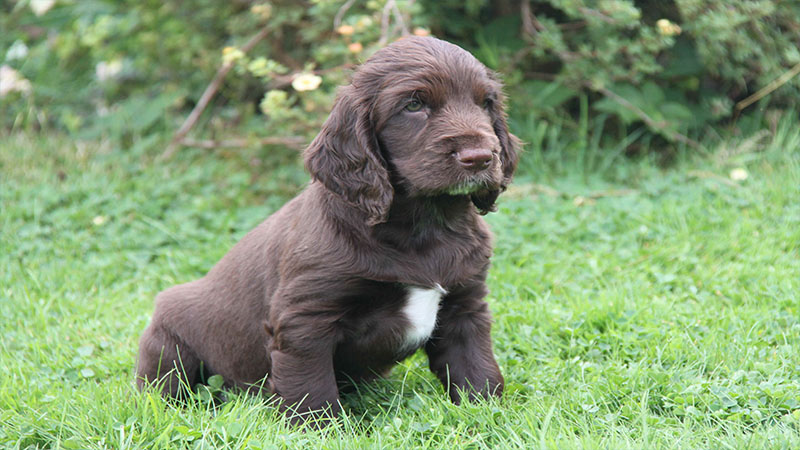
(166, 363)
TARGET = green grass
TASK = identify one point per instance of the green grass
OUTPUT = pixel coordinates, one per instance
(643, 308)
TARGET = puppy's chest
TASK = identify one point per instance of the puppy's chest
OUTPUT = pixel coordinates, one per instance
(399, 321)
(420, 311)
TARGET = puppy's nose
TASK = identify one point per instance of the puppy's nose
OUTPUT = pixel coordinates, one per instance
(474, 159)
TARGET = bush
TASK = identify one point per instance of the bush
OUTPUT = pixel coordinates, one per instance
(675, 66)
(93, 62)
(113, 68)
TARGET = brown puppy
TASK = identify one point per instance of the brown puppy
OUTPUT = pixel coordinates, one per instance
(383, 253)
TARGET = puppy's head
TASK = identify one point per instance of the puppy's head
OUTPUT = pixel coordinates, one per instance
(422, 116)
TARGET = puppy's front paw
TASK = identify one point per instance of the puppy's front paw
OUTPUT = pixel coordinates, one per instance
(490, 386)
(306, 386)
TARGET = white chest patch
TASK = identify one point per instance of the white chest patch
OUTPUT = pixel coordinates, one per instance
(420, 310)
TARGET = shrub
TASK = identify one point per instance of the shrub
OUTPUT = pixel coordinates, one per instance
(675, 66)
(114, 67)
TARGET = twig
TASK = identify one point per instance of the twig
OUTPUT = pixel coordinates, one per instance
(624, 102)
(337, 20)
(527, 19)
(385, 23)
(766, 90)
(662, 125)
(208, 94)
(295, 142)
(391, 9)
(530, 24)
(399, 18)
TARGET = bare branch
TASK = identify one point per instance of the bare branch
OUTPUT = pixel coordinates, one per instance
(295, 142)
(530, 24)
(209, 94)
(532, 27)
(766, 90)
(387, 8)
(337, 20)
(662, 125)
(398, 17)
(528, 19)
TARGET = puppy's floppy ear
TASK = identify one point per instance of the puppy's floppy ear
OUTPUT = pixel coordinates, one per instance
(509, 146)
(344, 157)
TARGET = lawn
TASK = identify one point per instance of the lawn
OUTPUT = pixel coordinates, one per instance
(644, 308)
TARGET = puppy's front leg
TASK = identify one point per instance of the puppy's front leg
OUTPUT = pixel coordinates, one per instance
(302, 371)
(460, 350)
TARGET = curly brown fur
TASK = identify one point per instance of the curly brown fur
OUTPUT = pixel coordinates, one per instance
(383, 253)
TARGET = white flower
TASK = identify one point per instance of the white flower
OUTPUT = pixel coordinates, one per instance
(39, 7)
(306, 82)
(667, 28)
(107, 70)
(18, 50)
(11, 80)
(738, 174)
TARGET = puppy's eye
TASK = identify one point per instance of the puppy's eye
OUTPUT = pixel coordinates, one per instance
(414, 105)
(488, 102)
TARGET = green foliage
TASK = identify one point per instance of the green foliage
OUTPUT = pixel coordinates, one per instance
(86, 57)
(117, 68)
(675, 67)
(127, 68)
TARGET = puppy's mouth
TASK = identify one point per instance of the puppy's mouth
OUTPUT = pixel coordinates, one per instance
(467, 182)
(468, 187)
